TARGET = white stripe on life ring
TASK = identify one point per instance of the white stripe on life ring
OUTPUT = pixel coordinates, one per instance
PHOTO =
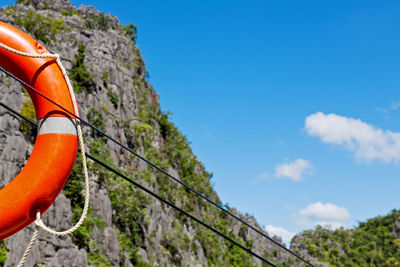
(56, 125)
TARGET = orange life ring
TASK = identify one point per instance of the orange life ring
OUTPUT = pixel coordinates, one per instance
(38, 184)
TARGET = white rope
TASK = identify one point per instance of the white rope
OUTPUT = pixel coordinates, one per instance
(28, 248)
(39, 223)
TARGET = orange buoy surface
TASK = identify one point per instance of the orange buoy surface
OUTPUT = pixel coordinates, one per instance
(38, 184)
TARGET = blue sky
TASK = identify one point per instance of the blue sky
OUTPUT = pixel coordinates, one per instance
(242, 77)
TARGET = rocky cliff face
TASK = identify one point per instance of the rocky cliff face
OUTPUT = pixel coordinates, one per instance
(125, 227)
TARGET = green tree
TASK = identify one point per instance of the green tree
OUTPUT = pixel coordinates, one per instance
(81, 78)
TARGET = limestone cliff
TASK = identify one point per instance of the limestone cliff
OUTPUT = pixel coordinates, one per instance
(125, 227)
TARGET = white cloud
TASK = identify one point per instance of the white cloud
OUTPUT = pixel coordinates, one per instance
(262, 177)
(281, 232)
(293, 170)
(327, 215)
(393, 107)
(366, 141)
(327, 212)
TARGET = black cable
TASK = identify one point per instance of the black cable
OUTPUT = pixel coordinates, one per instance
(156, 167)
(153, 194)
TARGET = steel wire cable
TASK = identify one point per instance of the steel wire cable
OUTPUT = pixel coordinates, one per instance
(118, 173)
(156, 167)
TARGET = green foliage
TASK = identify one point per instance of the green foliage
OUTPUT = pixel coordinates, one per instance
(23, 2)
(222, 253)
(81, 78)
(131, 211)
(143, 128)
(128, 219)
(104, 107)
(144, 134)
(113, 97)
(95, 117)
(82, 236)
(148, 113)
(9, 11)
(213, 252)
(3, 251)
(237, 256)
(44, 28)
(96, 22)
(130, 216)
(74, 190)
(170, 241)
(98, 148)
(96, 257)
(106, 76)
(69, 13)
(126, 244)
(179, 154)
(373, 243)
(131, 31)
(28, 111)
(285, 263)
